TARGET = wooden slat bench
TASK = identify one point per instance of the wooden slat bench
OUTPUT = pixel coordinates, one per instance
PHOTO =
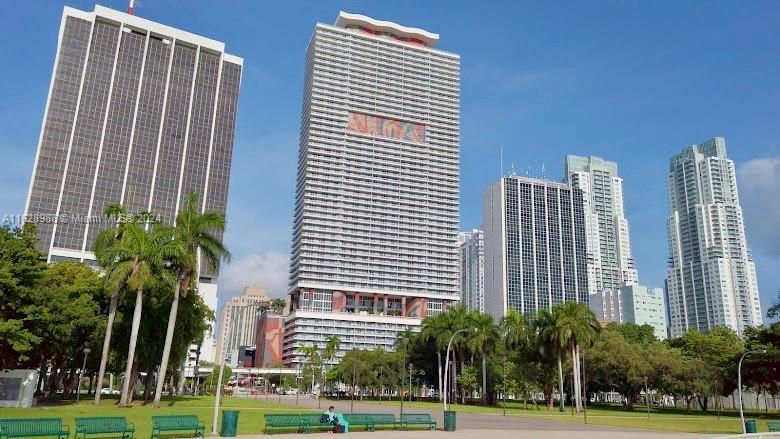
(30, 427)
(103, 425)
(408, 419)
(191, 423)
(282, 421)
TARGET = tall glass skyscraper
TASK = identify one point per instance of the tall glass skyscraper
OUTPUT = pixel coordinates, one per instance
(610, 264)
(535, 249)
(138, 113)
(472, 269)
(711, 277)
(376, 212)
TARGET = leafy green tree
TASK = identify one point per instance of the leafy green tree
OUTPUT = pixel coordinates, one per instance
(615, 364)
(278, 305)
(633, 333)
(467, 379)
(193, 232)
(21, 268)
(774, 311)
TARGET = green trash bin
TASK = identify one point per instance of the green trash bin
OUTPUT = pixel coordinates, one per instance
(750, 426)
(229, 423)
(449, 420)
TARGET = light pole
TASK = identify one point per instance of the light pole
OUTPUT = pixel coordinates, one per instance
(241, 310)
(403, 370)
(739, 384)
(647, 398)
(447, 363)
(410, 384)
(81, 374)
(354, 376)
(380, 384)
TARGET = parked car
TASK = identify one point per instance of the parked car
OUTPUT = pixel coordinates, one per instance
(291, 392)
(107, 391)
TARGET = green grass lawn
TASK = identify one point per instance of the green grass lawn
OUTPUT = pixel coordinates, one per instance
(250, 419)
(671, 420)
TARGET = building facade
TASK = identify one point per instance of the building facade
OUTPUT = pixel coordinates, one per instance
(610, 264)
(711, 278)
(632, 304)
(138, 113)
(535, 245)
(472, 269)
(238, 320)
(376, 210)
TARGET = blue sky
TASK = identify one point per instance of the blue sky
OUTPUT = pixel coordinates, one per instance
(630, 81)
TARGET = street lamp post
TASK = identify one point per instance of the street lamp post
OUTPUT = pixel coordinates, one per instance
(354, 375)
(410, 384)
(447, 364)
(647, 398)
(81, 373)
(739, 384)
(381, 380)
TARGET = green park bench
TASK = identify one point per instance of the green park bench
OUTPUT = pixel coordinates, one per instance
(381, 419)
(357, 420)
(102, 425)
(311, 421)
(30, 427)
(408, 419)
(282, 421)
(773, 425)
(162, 424)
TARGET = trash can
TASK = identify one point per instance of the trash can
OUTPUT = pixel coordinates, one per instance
(750, 426)
(229, 423)
(449, 420)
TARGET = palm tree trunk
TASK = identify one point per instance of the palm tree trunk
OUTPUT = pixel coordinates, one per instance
(438, 359)
(484, 381)
(106, 344)
(575, 377)
(167, 346)
(125, 396)
(560, 381)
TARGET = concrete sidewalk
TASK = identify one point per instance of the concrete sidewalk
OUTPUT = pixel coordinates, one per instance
(494, 434)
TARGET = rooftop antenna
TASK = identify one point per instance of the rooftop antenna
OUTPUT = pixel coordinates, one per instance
(131, 7)
(543, 176)
(513, 173)
(528, 172)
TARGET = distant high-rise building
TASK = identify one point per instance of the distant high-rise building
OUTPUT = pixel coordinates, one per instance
(711, 278)
(610, 265)
(138, 113)
(472, 269)
(632, 304)
(238, 323)
(376, 210)
(535, 249)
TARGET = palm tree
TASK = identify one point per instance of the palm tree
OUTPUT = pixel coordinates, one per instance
(434, 329)
(140, 259)
(278, 305)
(482, 341)
(193, 232)
(549, 345)
(332, 345)
(104, 241)
(576, 325)
(515, 329)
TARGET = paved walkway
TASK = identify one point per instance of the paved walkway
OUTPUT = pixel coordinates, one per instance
(474, 425)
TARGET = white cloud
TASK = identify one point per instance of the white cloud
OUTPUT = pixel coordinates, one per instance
(268, 270)
(759, 186)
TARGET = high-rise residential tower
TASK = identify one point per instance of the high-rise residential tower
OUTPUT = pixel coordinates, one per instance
(535, 249)
(610, 265)
(472, 269)
(138, 113)
(711, 278)
(376, 211)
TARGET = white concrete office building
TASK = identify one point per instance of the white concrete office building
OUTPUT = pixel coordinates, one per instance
(535, 249)
(376, 210)
(632, 304)
(472, 269)
(711, 277)
(140, 114)
(610, 264)
(238, 320)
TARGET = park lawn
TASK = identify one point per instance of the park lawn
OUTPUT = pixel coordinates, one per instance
(250, 419)
(670, 420)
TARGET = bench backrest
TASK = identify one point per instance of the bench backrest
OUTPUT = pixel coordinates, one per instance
(381, 418)
(101, 424)
(356, 418)
(773, 425)
(311, 418)
(415, 417)
(283, 419)
(174, 422)
(30, 426)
